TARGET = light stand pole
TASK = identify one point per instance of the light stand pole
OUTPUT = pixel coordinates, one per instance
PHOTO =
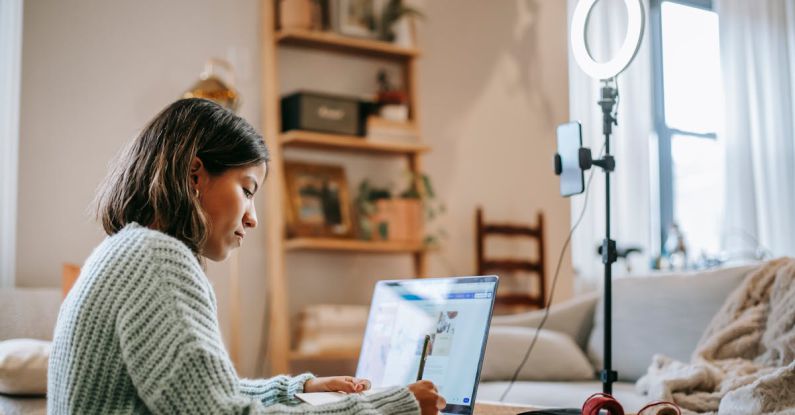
(608, 164)
(607, 101)
(606, 72)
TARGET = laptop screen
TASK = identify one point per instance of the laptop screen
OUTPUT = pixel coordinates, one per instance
(454, 312)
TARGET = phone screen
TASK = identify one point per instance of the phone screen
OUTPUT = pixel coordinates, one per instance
(569, 143)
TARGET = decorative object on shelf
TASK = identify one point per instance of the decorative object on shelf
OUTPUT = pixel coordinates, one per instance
(318, 201)
(384, 217)
(359, 18)
(298, 15)
(392, 101)
(314, 111)
(397, 23)
(211, 86)
(332, 329)
(398, 220)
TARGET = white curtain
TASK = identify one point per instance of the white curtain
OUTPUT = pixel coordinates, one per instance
(758, 65)
(633, 187)
(10, 62)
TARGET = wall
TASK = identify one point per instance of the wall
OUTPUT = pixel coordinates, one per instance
(493, 86)
(93, 73)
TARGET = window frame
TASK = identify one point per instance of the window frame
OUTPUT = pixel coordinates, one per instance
(664, 132)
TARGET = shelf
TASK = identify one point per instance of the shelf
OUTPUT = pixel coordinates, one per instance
(352, 245)
(309, 139)
(296, 355)
(328, 40)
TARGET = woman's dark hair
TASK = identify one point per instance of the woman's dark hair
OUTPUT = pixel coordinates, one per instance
(150, 182)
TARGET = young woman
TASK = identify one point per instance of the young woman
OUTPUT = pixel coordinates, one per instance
(138, 332)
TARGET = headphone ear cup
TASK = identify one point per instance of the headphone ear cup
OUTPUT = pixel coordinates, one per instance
(602, 401)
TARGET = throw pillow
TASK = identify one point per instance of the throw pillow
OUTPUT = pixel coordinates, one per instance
(23, 366)
(555, 356)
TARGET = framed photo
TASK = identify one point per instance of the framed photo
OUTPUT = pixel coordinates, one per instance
(318, 201)
(360, 18)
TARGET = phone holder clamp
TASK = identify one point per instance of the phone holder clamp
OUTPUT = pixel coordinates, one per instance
(608, 163)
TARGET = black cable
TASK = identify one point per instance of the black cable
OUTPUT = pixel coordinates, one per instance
(554, 283)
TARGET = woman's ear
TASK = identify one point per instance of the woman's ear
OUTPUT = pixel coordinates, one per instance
(197, 172)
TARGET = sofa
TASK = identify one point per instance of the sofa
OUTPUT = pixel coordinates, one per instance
(659, 313)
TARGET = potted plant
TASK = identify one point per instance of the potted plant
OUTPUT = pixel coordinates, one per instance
(396, 24)
(399, 216)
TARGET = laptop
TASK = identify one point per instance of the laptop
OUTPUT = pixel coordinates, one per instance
(455, 313)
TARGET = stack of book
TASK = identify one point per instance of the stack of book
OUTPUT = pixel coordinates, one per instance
(382, 129)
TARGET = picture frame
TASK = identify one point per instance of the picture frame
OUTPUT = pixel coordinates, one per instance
(318, 201)
(357, 18)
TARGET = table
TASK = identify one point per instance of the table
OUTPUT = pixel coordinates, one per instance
(499, 408)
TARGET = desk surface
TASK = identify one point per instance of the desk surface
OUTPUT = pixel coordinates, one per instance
(497, 408)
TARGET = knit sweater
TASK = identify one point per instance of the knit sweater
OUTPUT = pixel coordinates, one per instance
(138, 334)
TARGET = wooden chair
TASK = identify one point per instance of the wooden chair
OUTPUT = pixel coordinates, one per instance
(533, 268)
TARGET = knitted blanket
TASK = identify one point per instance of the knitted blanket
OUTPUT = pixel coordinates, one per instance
(745, 361)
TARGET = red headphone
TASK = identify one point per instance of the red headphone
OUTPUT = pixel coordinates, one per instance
(604, 401)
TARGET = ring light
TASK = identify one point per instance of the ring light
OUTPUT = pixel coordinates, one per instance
(606, 70)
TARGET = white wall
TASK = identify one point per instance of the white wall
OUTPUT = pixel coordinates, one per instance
(493, 86)
(94, 72)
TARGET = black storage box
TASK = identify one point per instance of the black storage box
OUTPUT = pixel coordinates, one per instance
(325, 113)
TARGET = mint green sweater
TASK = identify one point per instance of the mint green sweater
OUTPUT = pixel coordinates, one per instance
(138, 334)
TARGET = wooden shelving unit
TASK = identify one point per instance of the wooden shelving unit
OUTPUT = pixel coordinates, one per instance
(278, 245)
(344, 44)
(335, 142)
(351, 245)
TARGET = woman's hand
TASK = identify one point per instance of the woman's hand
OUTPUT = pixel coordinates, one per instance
(345, 384)
(428, 397)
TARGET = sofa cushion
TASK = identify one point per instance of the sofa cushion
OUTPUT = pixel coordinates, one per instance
(664, 313)
(573, 317)
(28, 312)
(559, 394)
(555, 356)
(23, 366)
(22, 405)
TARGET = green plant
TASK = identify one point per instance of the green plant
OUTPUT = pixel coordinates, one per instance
(420, 187)
(394, 11)
(364, 203)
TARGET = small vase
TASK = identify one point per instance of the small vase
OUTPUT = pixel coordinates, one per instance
(404, 36)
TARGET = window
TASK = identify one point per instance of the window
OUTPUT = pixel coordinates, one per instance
(688, 111)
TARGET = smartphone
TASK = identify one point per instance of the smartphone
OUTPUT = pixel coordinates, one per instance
(572, 179)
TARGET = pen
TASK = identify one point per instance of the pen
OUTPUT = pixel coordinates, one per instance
(423, 356)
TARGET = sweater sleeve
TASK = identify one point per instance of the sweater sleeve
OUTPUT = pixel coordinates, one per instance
(278, 389)
(172, 349)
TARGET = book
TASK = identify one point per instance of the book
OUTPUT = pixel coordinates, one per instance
(322, 398)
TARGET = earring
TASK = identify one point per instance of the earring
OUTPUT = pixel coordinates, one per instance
(196, 193)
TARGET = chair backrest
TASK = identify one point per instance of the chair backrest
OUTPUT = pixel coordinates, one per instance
(534, 267)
